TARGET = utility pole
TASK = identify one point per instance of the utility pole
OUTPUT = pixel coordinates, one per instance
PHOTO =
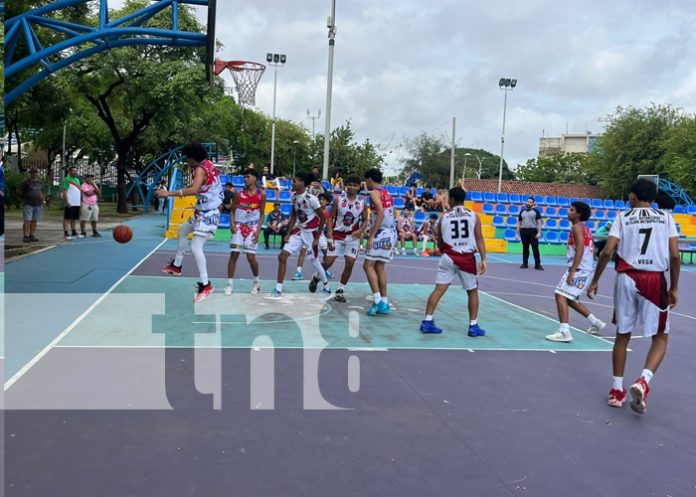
(331, 24)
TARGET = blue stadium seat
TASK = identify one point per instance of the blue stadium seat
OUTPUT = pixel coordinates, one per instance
(367, 201)
(502, 197)
(592, 225)
(654, 206)
(608, 203)
(419, 191)
(551, 212)
(679, 209)
(403, 190)
(599, 214)
(286, 209)
(550, 200)
(475, 196)
(562, 202)
(237, 181)
(224, 221)
(691, 209)
(539, 200)
(552, 237)
(562, 213)
(563, 236)
(595, 203)
(399, 203)
(509, 235)
(511, 221)
(611, 215)
(489, 197)
(499, 221)
(575, 199)
(271, 195)
(542, 238)
(679, 231)
(224, 178)
(392, 190)
(551, 224)
(601, 224)
(501, 209)
(488, 209)
(286, 183)
(564, 224)
(513, 209)
(419, 217)
(515, 198)
(326, 185)
(619, 204)
(285, 196)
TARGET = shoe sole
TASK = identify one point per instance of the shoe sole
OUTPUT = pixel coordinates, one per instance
(638, 401)
(255, 291)
(617, 405)
(273, 297)
(430, 332)
(201, 297)
(559, 340)
(595, 331)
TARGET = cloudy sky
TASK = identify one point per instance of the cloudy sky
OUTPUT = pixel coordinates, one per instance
(406, 66)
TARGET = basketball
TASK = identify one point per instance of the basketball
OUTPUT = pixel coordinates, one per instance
(122, 233)
(429, 251)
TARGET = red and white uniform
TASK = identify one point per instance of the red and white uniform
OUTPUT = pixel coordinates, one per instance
(206, 216)
(306, 223)
(348, 215)
(583, 273)
(384, 242)
(406, 224)
(457, 228)
(247, 217)
(640, 291)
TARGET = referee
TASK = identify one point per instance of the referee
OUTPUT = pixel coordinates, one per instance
(529, 230)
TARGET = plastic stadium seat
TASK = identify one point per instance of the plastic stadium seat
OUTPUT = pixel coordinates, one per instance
(654, 206)
(501, 209)
(551, 212)
(592, 225)
(509, 235)
(619, 204)
(499, 221)
(224, 221)
(403, 190)
(511, 222)
(475, 196)
(539, 200)
(542, 238)
(562, 202)
(488, 209)
(574, 199)
(271, 195)
(551, 224)
(608, 203)
(399, 203)
(551, 200)
(502, 197)
(611, 215)
(563, 236)
(285, 196)
(679, 209)
(419, 191)
(286, 209)
(489, 197)
(599, 214)
(392, 190)
(552, 237)
(691, 209)
(513, 210)
(224, 178)
(515, 198)
(562, 213)
(679, 231)
(587, 201)
(367, 201)
(419, 217)
(595, 203)
(237, 181)
(564, 224)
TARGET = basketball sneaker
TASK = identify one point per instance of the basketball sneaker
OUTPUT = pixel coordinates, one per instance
(297, 276)
(255, 288)
(203, 291)
(275, 295)
(314, 282)
(383, 307)
(329, 274)
(171, 269)
(339, 297)
(372, 310)
(616, 397)
(595, 328)
(228, 290)
(326, 293)
(476, 331)
(560, 336)
(429, 327)
(639, 394)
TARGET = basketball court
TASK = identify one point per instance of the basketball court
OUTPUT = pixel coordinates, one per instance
(119, 385)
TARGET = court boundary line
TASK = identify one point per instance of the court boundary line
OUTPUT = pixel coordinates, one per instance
(22, 371)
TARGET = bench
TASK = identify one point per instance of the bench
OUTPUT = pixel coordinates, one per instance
(687, 248)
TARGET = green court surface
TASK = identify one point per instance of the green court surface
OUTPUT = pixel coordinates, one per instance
(153, 311)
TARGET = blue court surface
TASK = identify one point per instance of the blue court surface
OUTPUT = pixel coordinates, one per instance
(116, 384)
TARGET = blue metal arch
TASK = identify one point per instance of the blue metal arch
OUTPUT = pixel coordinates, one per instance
(147, 181)
(675, 191)
(83, 41)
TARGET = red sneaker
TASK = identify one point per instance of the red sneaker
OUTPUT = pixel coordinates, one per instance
(617, 397)
(171, 269)
(203, 291)
(639, 392)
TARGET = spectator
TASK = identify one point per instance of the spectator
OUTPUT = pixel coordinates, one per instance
(529, 230)
(440, 202)
(412, 201)
(316, 172)
(406, 229)
(429, 231)
(427, 202)
(228, 195)
(89, 210)
(276, 224)
(269, 180)
(337, 182)
(30, 190)
(602, 232)
(72, 196)
(161, 200)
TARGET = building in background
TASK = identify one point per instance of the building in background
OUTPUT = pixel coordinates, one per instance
(575, 142)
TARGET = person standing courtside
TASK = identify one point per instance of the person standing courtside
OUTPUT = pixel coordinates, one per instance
(72, 196)
(529, 231)
(31, 192)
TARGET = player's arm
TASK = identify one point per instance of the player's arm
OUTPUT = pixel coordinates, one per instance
(538, 216)
(291, 222)
(604, 259)
(519, 225)
(260, 224)
(363, 224)
(199, 177)
(375, 205)
(674, 268)
(480, 246)
(233, 210)
(579, 237)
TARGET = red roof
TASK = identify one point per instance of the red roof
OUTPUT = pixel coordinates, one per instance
(532, 188)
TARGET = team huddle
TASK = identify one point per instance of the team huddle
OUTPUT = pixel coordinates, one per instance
(645, 241)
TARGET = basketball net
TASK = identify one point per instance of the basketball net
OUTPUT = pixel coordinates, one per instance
(246, 77)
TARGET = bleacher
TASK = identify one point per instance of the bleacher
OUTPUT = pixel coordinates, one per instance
(497, 211)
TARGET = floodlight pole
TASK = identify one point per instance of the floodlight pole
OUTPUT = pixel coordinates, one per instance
(504, 84)
(451, 179)
(466, 156)
(331, 24)
(275, 60)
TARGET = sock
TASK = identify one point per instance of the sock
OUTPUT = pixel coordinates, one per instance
(385, 300)
(428, 317)
(230, 281)
(593, 320)
(564, 328)
(204, 278)
(617, 382)
(66, 233)
(341, 286)
(473, 322)
(279, 287)
(178, 259)
(647, 375)
(299, 269)
(256, 279)
(376, 297)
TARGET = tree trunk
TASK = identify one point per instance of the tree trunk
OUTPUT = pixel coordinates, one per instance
(122, 202)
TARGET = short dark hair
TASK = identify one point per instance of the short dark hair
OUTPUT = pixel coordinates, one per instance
(228, 184)
(306, 178)
(440, 187)
(457, 194)
(414, 185)
(434, 216)
(645, 190)
(252, 172)
(89, 176)
(195, 151)
(276, 204)
(584, 210)
(353, 179)
(531, 198)
(326, 196)
(374, 174)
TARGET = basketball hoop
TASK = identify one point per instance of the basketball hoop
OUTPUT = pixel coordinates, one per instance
(246, 77)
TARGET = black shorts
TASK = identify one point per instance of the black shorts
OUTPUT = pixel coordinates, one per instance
(72, 213)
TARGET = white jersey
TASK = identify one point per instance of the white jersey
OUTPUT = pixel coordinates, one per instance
(406, 224)
(586, 264)
(643, 235)
(305, 205)
(457, 231)
(348, 215)
(211, 194)
(388, 221)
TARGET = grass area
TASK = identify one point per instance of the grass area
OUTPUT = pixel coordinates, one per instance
(106, 209)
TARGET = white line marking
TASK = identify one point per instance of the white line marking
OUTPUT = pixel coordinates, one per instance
(63, 334)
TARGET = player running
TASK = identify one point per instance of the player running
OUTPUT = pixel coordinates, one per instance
(459, 237)
(245, 228)
(646, 243)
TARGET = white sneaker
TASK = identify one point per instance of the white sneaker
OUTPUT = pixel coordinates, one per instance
(595, 328)
(228, 290)
(255, 288)
(560, 336)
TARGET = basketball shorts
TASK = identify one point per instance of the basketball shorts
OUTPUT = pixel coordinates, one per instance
(243, 243)
(89, 212)
(465, 271)
(574, 290)
(383, 246)
(205, 223)
(348, 247)
(299, 239)
(641, 303)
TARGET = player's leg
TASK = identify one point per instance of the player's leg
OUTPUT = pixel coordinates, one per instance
(293, 245)
(300, 264)
(205, 288)
(596, 324)
(373, 281)
(319, 272)
(174, 266)
(563, 294)
(254, 265)
(625, 312)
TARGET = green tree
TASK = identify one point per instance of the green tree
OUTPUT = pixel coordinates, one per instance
(557, 168)
(347, 154)
(680, 154)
